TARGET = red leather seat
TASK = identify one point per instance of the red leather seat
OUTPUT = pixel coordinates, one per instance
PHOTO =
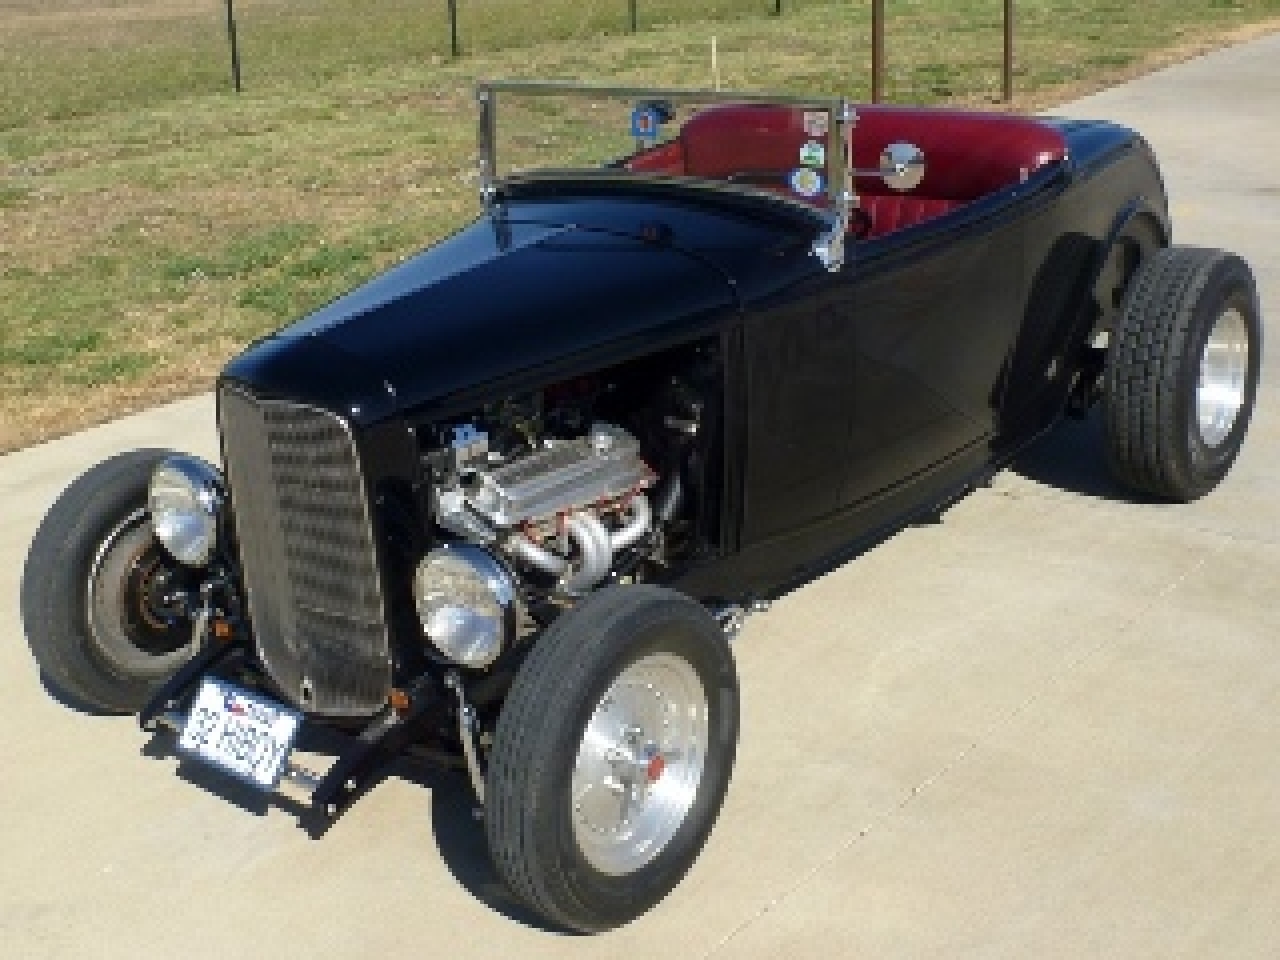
(893, 211)
(968, 155)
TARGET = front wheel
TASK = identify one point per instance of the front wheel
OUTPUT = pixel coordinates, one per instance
(97, 590)
(612, 756)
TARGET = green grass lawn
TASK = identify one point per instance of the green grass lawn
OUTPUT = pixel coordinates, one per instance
(152, 222)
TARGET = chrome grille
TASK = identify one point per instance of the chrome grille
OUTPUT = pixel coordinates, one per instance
(306, 553)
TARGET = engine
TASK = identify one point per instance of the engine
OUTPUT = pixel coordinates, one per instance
(566, 507)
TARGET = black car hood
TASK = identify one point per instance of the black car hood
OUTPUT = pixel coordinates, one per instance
(535, 289)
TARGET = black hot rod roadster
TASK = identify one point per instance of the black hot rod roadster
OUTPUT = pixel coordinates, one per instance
(506, 504)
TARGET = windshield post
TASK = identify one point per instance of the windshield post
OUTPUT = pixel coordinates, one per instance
(487, 99)
(829, 247)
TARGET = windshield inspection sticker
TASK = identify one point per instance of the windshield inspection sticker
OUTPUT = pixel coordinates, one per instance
(806, 182)
(645, 123)
(816, 123)
(813, 154)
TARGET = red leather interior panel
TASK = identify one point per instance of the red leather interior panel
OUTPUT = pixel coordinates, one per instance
(891, 212)
(968, 155)
(664, 158)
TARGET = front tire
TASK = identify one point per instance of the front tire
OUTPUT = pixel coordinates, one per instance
(1182, 372)
(612, 756)
(93, 590)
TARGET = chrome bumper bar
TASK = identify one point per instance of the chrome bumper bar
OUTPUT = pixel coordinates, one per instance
(386, 734)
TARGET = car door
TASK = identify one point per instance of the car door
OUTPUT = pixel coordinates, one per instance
(935, 310)
(860, 380)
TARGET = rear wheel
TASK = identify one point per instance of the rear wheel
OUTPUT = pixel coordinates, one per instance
(612, 756)
(1182, 372)
(97, 590)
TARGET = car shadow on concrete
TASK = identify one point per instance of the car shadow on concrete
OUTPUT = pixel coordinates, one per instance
(1072, 458)
(163, 745)
(457, 828)
(460, 838)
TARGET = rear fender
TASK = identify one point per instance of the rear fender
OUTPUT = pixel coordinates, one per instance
(1137, 231)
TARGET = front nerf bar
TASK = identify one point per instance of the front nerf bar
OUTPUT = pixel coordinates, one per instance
(328, 794)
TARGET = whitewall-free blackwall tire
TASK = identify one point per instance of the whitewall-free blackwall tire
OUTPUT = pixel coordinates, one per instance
(612, 756)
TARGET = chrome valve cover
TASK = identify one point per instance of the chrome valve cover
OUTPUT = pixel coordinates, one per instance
(573, 474)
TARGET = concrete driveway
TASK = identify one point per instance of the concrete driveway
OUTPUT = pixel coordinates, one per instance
(1047, 727)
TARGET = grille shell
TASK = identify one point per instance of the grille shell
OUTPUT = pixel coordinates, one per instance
(307, 553)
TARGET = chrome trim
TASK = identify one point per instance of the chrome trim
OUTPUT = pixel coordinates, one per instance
(829, 247)
(209, 490)
(570, 475)
(488, 145)
(496, 577)
(902, 166)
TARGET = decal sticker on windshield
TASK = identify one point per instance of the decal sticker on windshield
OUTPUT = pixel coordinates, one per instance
(816, 123)
(644, 123)
(806, 182)
(813, 154)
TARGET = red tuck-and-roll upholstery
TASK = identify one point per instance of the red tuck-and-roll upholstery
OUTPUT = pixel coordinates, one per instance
(967, 155)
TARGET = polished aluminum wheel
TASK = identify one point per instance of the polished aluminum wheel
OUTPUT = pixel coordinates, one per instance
(1224, 369)
(639, 763)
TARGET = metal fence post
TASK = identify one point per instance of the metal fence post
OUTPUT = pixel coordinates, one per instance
(235, 46)
(877, 50)
(635, 15)
(454, 50)
(777, 8)
(1008, 51)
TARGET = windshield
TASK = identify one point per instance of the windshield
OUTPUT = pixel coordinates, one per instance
(790, 147)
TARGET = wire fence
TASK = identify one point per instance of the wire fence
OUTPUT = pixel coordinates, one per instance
(67, 58)
(483, 25)
(457, 28)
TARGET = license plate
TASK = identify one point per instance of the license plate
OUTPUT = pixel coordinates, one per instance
(242, 733)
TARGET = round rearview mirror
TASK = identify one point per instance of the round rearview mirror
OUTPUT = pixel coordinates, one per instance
(902, 166)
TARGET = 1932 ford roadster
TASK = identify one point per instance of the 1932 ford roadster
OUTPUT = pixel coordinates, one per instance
(509, 501)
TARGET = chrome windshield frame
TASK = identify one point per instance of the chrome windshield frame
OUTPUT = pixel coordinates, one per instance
(841, 119)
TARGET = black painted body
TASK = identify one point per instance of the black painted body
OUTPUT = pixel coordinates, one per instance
(852, 401)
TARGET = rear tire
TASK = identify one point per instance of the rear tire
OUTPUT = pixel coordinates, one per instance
(1182, 372)
(92, 576)
(612, 756)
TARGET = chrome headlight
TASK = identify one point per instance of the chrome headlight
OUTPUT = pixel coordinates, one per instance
(185, 499)
(467, 603)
